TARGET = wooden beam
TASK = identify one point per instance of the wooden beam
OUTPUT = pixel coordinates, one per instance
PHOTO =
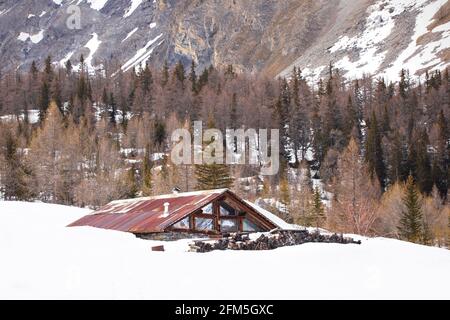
(216, 214)
(204, 216)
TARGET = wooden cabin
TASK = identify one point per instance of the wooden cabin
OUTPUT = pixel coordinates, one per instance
(183, 215)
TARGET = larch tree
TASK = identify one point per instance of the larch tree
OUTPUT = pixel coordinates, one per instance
(354, 207)
(45, 155)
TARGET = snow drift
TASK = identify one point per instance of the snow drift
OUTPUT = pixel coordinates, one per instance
(42, 259)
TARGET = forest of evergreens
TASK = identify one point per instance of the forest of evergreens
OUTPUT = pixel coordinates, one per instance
(370, 157)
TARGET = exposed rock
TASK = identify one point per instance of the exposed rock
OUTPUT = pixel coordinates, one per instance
(270, 36)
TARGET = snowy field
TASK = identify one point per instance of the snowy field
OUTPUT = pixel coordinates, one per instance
(42, 259)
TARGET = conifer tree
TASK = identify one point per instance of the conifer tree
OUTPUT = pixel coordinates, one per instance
(179, 73)
(112, 109)
(422, 164)
(442, 160)
(193, 78)
(165, 74)
(215, 175)
(132, 187)
(69, 67)
(317, 209)
(44, 101)
(233, 112)
(15, 174)
(411, 222)
(374, 152)
(147, 180)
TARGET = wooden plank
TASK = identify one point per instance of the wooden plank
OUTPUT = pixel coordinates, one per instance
(204, 216)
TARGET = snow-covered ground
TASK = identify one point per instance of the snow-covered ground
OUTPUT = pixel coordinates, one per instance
(41, 258)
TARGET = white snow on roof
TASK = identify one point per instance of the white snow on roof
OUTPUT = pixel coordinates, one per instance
(31, 16)
(130, 34)
(142, 54)
(270, 216)
(134, 5)
(152, 25)
(58, 1)
(172, 195)
(42, 14)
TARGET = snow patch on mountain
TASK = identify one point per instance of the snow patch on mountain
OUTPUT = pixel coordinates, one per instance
(134, 5)
(93, 46)
(97, 4)
(130, 34)
(66, 58)
(35, 38)
(142, 54)
(378, 27)
(415, 56)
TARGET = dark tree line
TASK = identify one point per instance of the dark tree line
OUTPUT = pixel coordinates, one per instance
(116, 121)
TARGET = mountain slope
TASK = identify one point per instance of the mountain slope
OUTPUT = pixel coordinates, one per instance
(377, 36)
(42, 259)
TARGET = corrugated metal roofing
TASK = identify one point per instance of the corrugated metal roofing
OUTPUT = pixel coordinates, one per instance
(146, 215)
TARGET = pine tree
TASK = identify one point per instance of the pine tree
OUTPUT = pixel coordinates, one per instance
(233, 112)
(422, 166)
(411, 222)
(147, 181)
(403, 85)
(69, 67)
(112, 109)
(14, 180)
(131, 184)
(374, 152)
(165, 74)
(44, 101)
(48, 69)
(193, 78)
(317, 209)
(179, 73)
(442, 159)
(213, 176)
(146, 79)
(203, 79)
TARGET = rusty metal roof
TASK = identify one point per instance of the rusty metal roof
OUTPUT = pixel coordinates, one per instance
(146, 215)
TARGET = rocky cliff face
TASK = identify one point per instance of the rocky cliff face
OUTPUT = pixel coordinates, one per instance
(364, 36)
